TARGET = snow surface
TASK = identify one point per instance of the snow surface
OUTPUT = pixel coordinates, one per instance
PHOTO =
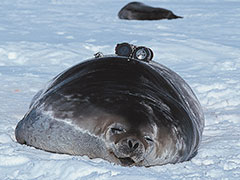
(41, 38)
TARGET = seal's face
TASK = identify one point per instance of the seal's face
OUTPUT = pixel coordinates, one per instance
(130, 146)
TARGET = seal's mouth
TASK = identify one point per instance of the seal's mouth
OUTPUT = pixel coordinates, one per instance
(127, 161)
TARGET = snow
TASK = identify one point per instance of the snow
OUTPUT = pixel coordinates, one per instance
(39, 39)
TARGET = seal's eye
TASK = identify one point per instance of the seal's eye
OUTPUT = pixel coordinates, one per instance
(148, 139)
(116, 130)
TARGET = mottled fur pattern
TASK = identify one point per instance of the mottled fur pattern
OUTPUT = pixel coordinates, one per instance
(122, 110)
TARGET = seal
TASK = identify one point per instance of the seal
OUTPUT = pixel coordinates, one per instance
(126, 111)
(140, 11)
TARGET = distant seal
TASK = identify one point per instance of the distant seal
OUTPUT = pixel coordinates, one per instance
(125, 111)
(140, 11)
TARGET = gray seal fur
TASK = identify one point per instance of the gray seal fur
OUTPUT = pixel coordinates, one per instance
(125, 111)
(140, 11)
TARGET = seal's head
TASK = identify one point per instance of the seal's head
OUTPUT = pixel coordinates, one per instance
(134, 139)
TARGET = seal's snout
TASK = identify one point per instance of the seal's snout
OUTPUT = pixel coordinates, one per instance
(130, 146)
(133, 144)
(129, 150)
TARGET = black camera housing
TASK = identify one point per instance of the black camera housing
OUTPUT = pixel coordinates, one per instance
(129, 50)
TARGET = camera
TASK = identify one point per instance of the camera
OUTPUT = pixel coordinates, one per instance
(131, 51)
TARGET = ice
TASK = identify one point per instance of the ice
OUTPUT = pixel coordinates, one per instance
(12, 160)
(39, 39)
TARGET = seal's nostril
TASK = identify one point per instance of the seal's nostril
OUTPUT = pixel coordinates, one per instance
(133, 144)
(130, 143)
(136, 146)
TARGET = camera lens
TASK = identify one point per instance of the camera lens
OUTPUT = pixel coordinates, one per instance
(143, 54)
(123, 49)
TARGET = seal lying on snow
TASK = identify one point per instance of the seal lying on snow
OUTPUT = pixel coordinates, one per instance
(140, 11)
(123, 110)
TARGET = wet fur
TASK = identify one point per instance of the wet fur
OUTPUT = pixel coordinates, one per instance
(74, 114)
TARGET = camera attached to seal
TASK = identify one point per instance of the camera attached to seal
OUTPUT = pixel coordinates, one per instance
(136, 52)
(131, 51)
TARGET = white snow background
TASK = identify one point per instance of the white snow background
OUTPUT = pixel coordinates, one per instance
(41, 38)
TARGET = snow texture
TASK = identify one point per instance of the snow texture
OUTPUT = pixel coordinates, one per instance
(41, 38)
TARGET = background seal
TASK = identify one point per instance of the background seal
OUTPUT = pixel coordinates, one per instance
(140, 11)
(126, 111)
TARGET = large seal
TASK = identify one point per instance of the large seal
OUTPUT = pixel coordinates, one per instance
(140, 11)
(123, 110)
